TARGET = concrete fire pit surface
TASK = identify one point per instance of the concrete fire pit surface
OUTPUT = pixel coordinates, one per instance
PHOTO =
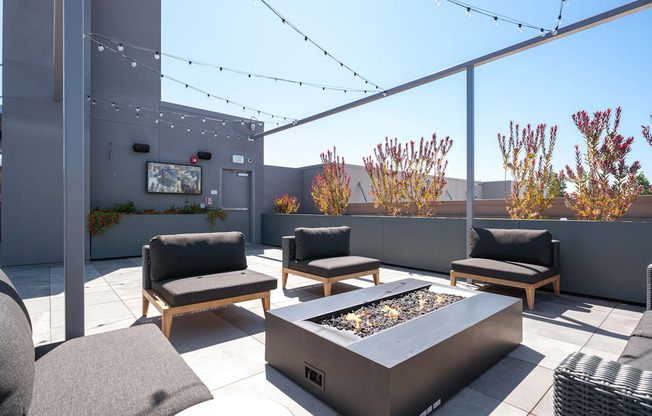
(409, 369)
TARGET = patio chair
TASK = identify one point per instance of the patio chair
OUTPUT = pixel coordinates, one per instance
(526, 259)
(590, 385)
(133, 371)
(324, 254)
(193, 272)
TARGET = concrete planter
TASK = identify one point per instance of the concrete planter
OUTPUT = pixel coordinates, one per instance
(134, 231)
(597, 258)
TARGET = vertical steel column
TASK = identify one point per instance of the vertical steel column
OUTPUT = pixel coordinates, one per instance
(470, 155)
(73, 166)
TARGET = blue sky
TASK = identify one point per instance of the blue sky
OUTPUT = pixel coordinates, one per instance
(390, 43)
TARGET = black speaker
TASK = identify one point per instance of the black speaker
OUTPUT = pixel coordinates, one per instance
(141, 148)
(205, 155)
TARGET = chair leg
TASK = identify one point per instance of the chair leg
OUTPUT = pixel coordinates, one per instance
(377, 278)
(145, 305)
(284, 279)
(266, 302)
(166, 324)
(327, 289)
(453, 279)
(556, 286)
(529, 292)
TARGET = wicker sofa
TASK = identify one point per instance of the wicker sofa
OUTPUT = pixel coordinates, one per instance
(591, 385)
(192, 272)
(324, 254)
(132, 371)
(526, 259)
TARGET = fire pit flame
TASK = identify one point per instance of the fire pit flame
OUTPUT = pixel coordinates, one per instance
(422, 304)
(354, 318)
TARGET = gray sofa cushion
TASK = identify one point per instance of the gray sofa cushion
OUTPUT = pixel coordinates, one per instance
(184, 255)
(133, 371)
(189, 290)
(644, 327)
(316, 243)
(16, 352)
(638, 353)
(507, 270)
(336, 266)
(523, 246)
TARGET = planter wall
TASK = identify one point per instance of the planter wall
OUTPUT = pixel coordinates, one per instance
(127, 238)
(597, 258)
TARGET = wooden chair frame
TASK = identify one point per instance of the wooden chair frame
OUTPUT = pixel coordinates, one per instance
(529, 287)
(168, 312)
(329, 280)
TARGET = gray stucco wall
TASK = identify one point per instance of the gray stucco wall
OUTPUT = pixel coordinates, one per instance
(279, 181)
(32, 210)
(604, 259)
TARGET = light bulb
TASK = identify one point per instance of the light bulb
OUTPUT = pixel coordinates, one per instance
(120, 47)
(160, 115)
(554, 32)
(243, 109)
(438, 2)
(249, 76)
(93, 102)
(203, 119)
(188, 129)
(157, 55)
(468, 12)
(183, 116)
(215, 134)
(137, 109)
(137, 115)
(156, 121)
(203, 132)
(520, 28)
(223, 123)
(134, 64)
(228, 136)
(305, 40)
(284, 23)
(260, 123)
(189, 63)
(325, 54)
(100, 47)
(542, 33)
(242, 122)
(172, 125)
(117, 109)
(496, 21)
(112, 104)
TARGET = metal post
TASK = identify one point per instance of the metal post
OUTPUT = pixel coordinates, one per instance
(470, 156)
(73, 166)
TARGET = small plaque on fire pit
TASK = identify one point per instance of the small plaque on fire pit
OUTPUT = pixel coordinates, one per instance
(378, 316)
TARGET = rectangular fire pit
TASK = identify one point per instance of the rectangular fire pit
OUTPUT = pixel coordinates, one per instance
(408, 369)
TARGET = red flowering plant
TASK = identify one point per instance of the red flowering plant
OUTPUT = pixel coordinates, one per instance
(527, 156)
(330, 189)
(408, 176)
(647, 135)
(605, 185)
(286, 204)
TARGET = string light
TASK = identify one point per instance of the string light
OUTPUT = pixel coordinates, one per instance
(497, 18)
(121, 47)
(100, 47)
(308, 39)
(188, 86)
(248, 74)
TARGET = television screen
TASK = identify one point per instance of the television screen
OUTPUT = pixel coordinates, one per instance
(169, 178)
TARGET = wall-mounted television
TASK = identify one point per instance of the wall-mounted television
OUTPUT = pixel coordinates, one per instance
(172, 178)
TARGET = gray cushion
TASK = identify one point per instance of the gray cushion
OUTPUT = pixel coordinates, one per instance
(189, 290)
(507, 270)
(16, 352)
(644, 327)
(184, 255)
(316, 243)
(523, 246)
(336, 266)
(638, 353)
(133, 371)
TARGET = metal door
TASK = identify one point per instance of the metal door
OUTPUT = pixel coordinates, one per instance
(236, 201)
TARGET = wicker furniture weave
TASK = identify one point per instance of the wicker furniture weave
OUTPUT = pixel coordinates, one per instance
(590, 385)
